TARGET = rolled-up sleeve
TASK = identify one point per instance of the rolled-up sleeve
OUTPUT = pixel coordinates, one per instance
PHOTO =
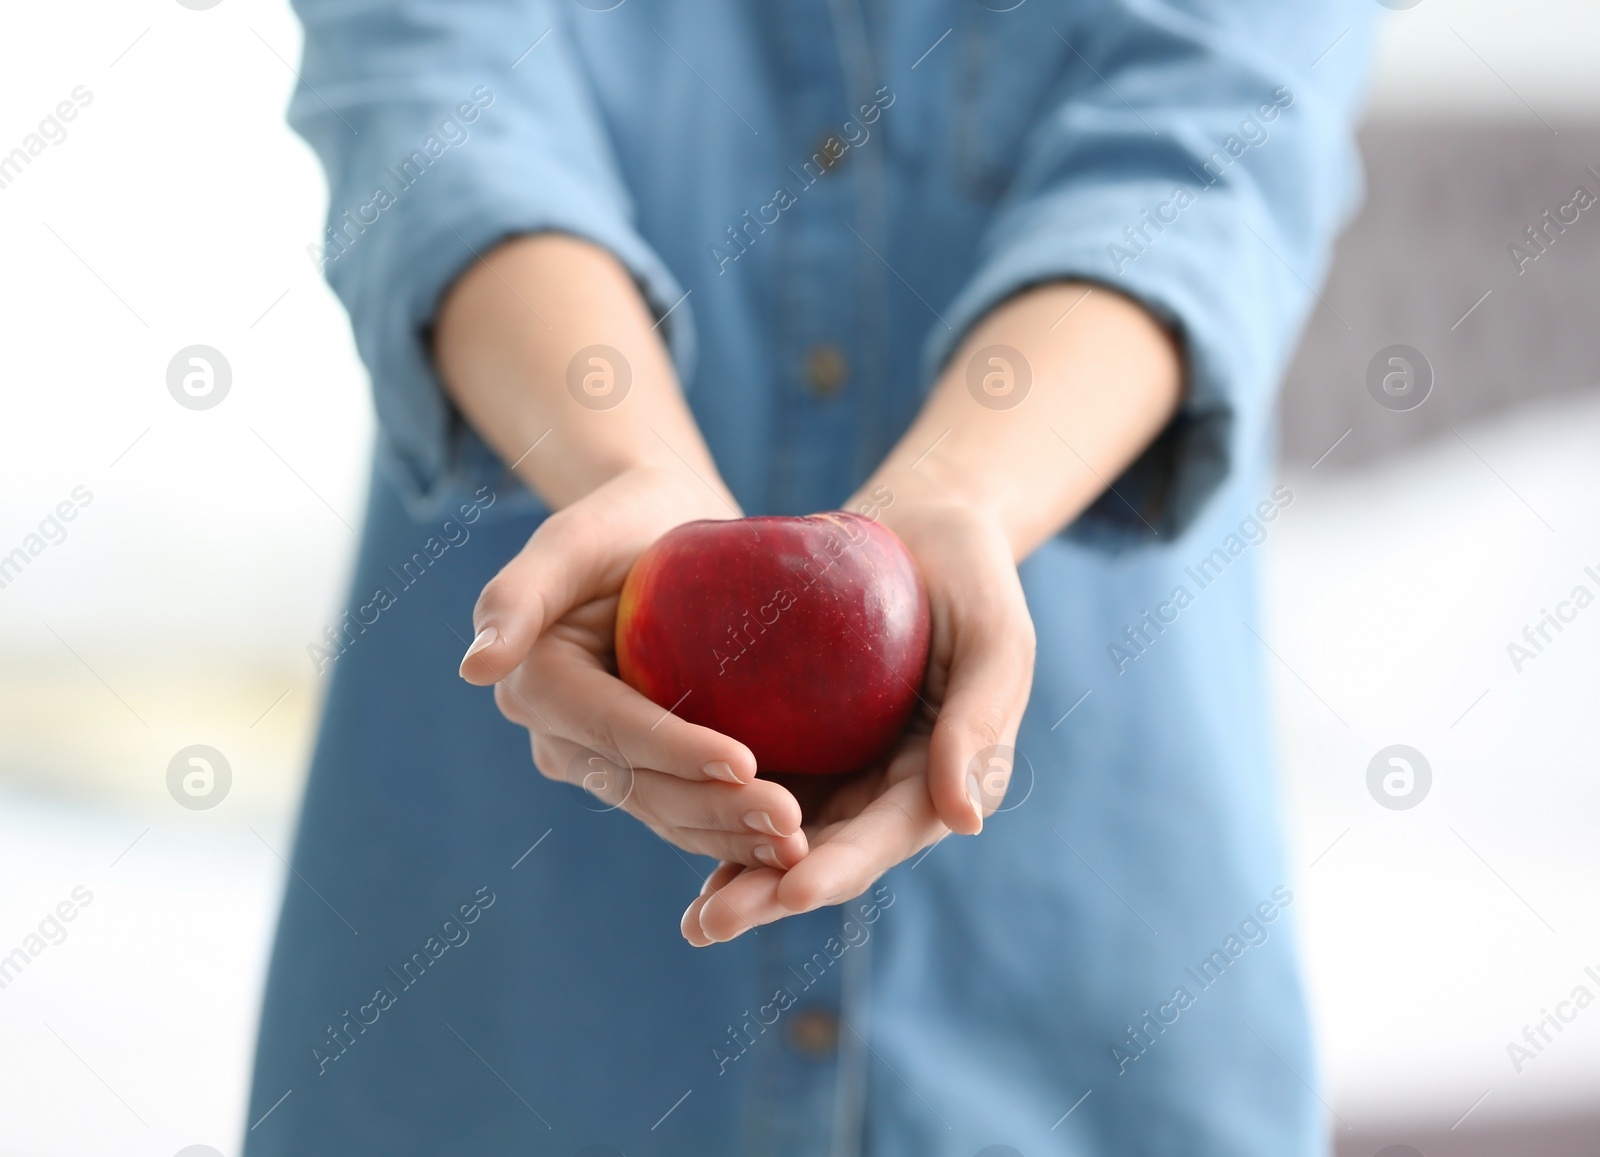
(1199, 158)
(446, 126)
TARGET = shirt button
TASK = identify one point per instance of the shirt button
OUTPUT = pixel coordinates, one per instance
(830, 153)
(826, 370)
(814, 1032)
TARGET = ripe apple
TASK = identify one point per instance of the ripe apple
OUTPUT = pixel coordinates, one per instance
(803, 638)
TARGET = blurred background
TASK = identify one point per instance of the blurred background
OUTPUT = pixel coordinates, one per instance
(207, 548)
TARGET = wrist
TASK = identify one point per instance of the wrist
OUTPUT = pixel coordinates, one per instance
(922, 510)
(929, 494)
(680, 492)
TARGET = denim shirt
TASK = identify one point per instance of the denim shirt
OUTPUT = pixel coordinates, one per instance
(818, 199)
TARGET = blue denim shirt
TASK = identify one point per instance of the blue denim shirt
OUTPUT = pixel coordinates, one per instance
(818, 198)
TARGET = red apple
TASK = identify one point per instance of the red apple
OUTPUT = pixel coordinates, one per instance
(803, 638)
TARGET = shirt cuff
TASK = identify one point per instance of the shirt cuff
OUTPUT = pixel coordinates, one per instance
(425, 445)
(1230, 353)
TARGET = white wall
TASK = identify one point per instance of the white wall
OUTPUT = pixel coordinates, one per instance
(1504, 59)
(180, 191)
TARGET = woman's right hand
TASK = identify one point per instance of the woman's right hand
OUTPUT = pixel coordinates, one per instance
(544, 637)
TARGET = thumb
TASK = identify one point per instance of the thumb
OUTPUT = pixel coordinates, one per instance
(561, 566)
(971, 752)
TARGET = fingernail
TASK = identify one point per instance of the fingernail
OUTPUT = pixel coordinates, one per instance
(762, 822)
(723, 770)
(484, 638)
(975, 793)
(685, 927)
(768, 856)
(704, 931)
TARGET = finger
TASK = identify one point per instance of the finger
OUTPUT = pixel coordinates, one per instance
(707, 819)
(733, 848)
(562, 564)
(721, 876)
(747, 901)
(843, 863)
(564, 689)
(991, 675)
(761, 807)
(892, 828)
(690, 924)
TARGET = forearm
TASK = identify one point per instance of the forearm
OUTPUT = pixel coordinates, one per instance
(1105, 379)
(506, 335)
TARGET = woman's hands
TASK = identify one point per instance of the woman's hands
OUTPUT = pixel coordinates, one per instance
(939, 778)
(545, 626)
(975, 486)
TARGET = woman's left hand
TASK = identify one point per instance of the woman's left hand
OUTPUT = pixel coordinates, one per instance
(939, 778)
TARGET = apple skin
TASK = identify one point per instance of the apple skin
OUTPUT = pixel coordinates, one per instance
(803, 638)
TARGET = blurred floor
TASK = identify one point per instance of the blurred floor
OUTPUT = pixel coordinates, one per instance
(1435, 934)
(132, 1034)
(1573, 1137)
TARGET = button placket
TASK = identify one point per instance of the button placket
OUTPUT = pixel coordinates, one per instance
(826, 370)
